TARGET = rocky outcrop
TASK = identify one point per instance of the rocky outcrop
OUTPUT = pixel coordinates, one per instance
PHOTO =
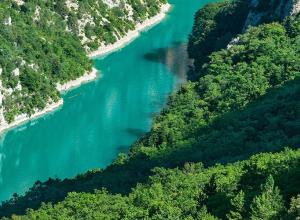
(292, 7)
(270, 10)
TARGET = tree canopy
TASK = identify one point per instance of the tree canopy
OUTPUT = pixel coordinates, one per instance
(225, 146)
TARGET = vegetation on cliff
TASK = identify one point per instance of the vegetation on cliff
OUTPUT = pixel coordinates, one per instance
(194, 163)
(45, 42)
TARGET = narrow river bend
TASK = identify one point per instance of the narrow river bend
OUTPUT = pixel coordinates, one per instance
(102, 118)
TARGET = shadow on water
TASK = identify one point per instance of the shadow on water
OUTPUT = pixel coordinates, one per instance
(123, 149)
(174, 57)
(135, 132)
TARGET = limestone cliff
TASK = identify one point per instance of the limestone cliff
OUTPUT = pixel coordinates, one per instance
(261, 11)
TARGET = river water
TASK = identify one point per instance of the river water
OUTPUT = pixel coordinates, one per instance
(104, 117)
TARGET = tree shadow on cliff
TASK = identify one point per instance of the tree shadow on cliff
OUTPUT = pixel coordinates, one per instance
(269, 124)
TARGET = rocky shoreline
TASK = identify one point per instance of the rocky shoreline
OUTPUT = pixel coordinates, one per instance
(130, 36)
(77, 82)
(20, 119)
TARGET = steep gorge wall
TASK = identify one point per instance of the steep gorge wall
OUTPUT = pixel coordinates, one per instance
(269, 10)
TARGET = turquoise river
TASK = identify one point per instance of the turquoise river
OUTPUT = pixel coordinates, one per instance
(102, 118)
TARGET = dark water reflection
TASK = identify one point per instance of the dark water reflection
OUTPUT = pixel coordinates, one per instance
(136, 132)
(174, 57)
(123, 149)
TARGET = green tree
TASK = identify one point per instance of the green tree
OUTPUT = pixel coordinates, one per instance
(294, 211)
(269, 204)
(203, 214)
(237, 204)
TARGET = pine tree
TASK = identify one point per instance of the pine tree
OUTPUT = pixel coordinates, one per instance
(294, 211)
(203, 214)
(237, 203)
(269, 204)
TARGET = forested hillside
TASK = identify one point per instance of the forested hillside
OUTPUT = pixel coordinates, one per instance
(243, 100)
(45, 42)
(259, 188)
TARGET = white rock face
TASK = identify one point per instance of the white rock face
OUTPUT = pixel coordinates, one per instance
(2, 120)
(112, 3)
(72, 4)
(85, 20)
(295, 6)
(16, 72)
(8, 91)
(283, 9)
(8, 21)
(233, 42)
(19, 86)
(19, 2)
(129, 9)
(37, 13)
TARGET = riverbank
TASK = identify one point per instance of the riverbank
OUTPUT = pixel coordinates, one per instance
(77, 82)
(21, 119)
(131, 35)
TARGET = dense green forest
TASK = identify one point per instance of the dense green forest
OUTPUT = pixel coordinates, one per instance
(46, 42)
(258, 188)
(225, 147)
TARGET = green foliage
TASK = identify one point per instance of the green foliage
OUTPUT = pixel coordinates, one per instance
(243, 101)
(269, 204)
(214, 27)
(264, 58)
(184, 193)
(294, 210)
(237, 203)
